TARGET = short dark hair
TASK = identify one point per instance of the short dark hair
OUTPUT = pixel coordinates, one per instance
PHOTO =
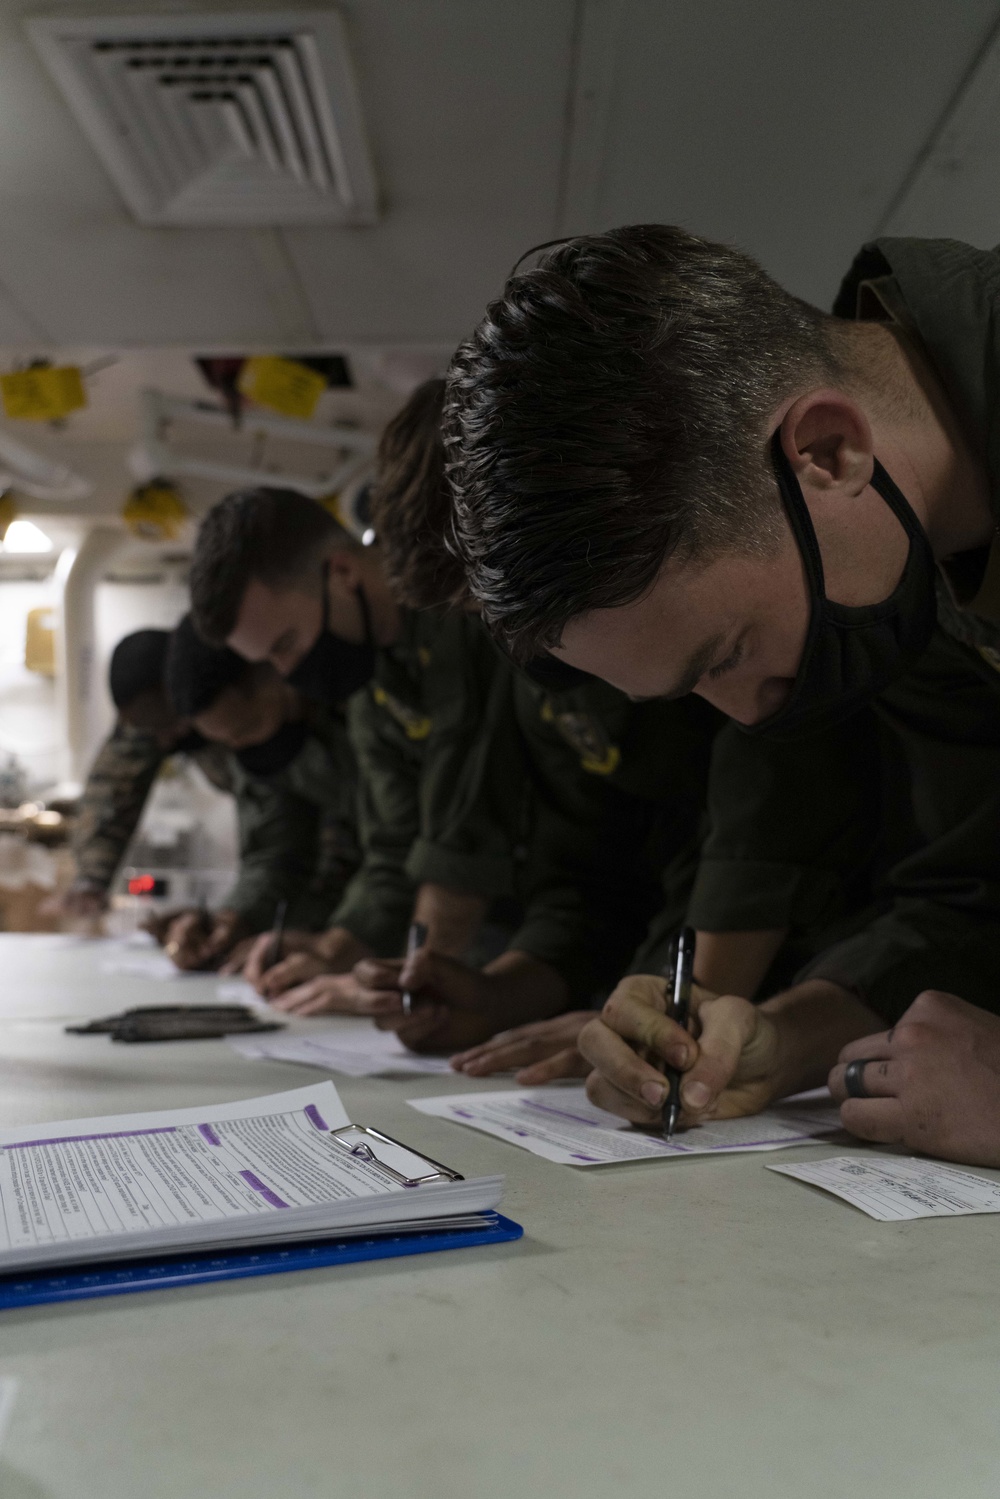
(411, 504)
(196, 674)
(277, 536)
(136, 666)
(610, 411)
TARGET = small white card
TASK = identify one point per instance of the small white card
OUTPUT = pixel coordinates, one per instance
(891, 1187)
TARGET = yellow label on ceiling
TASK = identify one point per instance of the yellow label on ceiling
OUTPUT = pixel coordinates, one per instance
(44, 394)
(283, 385)
(155, 512)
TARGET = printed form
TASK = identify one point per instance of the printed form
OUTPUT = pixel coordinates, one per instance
(891, 1187)
(218, 1174)
(355, 1049)
(561, 1125)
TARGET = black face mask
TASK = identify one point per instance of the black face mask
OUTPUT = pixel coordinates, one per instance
(335, 669)
(851, 653)
(274, 754)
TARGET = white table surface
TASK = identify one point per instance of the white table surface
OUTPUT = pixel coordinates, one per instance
(697, 1328)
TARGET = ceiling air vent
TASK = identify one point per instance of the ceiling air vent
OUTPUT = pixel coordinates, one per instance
(218, 120)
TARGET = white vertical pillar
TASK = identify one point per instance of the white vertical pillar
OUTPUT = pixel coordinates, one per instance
(76, 655)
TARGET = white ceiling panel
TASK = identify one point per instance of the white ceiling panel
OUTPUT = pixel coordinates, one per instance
(82, 270)
(466, 104)
(786, 126)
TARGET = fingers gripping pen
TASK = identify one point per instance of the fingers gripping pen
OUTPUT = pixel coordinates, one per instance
(415, 940)
(678, 975)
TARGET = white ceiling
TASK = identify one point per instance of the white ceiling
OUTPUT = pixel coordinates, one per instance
(788, 126)
(791, 127)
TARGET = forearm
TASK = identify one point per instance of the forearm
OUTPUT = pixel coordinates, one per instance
(452, 918)
(736, 962)
(813, 1021)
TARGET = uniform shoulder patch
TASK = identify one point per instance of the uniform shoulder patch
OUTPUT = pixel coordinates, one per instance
(588, 737)
(414, 725)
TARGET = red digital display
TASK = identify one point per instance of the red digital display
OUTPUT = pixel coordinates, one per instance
(146, 884)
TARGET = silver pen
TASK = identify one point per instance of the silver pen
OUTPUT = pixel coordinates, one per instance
(415, 939)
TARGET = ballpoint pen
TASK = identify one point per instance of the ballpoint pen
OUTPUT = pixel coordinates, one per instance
(678, 975)
(415, 939)
(277, 932)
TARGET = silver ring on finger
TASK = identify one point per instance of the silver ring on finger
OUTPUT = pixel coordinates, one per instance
(854, 1078)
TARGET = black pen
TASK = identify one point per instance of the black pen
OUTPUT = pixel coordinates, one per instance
(277, 932)
(415, 939)
(679, 976)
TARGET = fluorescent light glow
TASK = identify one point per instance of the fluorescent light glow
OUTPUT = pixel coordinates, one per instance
(25, 536)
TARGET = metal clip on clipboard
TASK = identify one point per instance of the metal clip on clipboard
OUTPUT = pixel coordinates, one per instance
(364, 1152)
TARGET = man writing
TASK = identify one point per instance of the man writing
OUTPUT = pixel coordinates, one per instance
(790, 515)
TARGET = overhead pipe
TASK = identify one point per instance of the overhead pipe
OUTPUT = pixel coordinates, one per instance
(77, 686)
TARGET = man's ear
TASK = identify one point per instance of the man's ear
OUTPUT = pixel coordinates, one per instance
(344, 569)
(827, 440)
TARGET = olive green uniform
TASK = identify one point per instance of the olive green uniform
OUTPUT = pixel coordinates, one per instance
(640, 816)
(296, 829)
(441, 782)
(940, 926)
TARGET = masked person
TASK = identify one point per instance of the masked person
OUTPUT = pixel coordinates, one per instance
(631, 823)
(148, 730)
(278, 580)
(293, 775)
(672, 474)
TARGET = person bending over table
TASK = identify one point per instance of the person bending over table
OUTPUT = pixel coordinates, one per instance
(292, 773)
(615, 827)
(278, 580)
(788, 514)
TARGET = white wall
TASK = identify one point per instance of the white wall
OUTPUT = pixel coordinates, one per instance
(119, 609)
(29, 726)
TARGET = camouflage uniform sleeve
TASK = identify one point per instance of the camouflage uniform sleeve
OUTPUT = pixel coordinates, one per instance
(279, 850)
(119, 782)
(473, 789)
(378, 901)
(437, 790)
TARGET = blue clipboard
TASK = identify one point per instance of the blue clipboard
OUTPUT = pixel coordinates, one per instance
(123, 1277)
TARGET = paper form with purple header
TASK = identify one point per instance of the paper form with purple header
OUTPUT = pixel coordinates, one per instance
(561, 1125)
(263, 1169)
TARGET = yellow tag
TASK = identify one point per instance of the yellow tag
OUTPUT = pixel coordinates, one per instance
(155, 512)
(44, 394)
(414, 726)
(8, 512)
(284, 385)
(331, 502)
(40, 641)
(607, 765)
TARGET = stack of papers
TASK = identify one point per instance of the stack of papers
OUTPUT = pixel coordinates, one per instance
(561, 1125)
(360, 1051)
(260, 1171)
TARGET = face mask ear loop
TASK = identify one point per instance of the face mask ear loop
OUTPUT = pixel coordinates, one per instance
(366, 615)
(797, 511)
(325, 585)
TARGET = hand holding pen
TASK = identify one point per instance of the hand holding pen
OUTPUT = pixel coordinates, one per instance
(679, 975)
(415, 940)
